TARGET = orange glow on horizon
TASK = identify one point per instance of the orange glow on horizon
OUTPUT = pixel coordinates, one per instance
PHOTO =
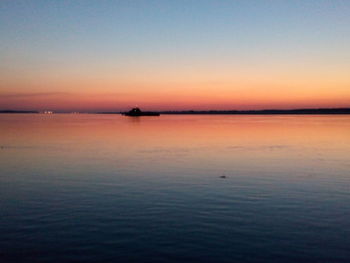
(205, 90)
(171, 101)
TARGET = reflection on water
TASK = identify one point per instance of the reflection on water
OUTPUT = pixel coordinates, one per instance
(97, 188)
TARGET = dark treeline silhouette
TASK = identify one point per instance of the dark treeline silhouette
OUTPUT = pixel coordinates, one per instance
(17, 111)
(228, 112)
(266, 112)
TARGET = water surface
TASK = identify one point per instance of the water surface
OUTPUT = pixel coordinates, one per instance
(108, 188)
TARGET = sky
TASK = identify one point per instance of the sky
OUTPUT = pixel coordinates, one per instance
(101, 55)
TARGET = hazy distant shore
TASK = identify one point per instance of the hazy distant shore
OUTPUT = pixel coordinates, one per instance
(327, 111)
(266, 112)
(257, 112)
(17, 111)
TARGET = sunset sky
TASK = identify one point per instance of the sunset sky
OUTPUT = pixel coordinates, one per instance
(174, 55)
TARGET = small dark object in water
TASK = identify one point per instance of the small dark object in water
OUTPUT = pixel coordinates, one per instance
(223, 176)
(135, 112)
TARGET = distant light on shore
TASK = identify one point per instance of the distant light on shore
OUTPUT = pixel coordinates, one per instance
(47, 112)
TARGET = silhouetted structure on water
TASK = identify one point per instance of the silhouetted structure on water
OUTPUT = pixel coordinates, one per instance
(135, 112)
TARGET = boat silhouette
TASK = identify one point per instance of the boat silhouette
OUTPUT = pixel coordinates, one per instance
(135, 112)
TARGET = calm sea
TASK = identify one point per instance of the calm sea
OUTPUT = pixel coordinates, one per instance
(209, 188)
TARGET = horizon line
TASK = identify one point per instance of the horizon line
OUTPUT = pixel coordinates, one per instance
(189, 111)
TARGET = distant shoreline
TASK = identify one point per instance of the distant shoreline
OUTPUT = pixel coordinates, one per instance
(266, 112)
(325, 111)
(320, 111)
(16, 111)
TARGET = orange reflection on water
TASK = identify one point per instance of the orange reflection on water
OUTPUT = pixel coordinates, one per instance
(224, 142)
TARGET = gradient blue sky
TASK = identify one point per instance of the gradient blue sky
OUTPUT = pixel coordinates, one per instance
(109, 55)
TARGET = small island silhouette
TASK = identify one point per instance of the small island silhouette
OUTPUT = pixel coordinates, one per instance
(135, 112)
